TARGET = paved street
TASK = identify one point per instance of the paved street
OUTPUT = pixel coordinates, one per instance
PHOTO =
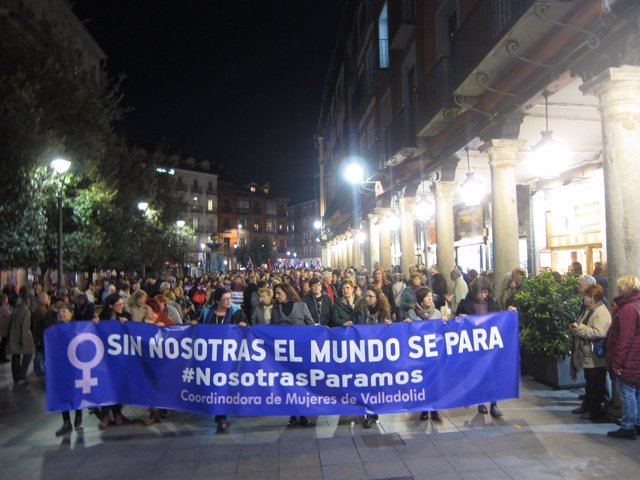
(538, 437)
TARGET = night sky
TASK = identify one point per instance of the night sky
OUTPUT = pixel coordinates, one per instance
(238, 82)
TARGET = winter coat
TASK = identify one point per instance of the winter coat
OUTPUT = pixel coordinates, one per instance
(408, 301)
(5, 313)
(262, 314)
(234, 316)
(623, 345)
(365, 316)
(20, 337)
(341, 313)
(299, 315)
(322, 315)
(596, 328)
(419, 313)
(466, 306)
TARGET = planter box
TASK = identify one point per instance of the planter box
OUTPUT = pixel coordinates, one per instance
(552, 371)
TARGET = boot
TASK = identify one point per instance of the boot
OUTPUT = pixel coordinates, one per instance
(482, 409)
(424, 416)
(77, 421)
(154, 417)
(435, 416)
(623, 433)
(495, 411)
(66, 428)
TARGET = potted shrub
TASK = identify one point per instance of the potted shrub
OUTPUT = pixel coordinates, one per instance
(546, 304)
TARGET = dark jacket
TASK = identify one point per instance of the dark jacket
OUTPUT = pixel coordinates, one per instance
(341, 313)
(322, 315)
(466, 306)
(623, 344)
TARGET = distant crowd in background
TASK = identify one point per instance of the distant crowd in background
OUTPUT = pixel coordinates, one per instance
(330, 298)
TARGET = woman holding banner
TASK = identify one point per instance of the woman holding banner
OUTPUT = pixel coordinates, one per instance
(223, 312)
(425, 310)
(343, 312)
(373, 309)
(154, 314)
(113, 310)
(290, 310)
(477, 302)
(65, 315)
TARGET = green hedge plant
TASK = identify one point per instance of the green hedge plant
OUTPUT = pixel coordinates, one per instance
(545, 306)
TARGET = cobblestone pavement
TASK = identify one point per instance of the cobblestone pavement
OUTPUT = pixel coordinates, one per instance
(537, 438)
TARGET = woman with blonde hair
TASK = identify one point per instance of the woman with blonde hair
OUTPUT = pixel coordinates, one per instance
(623, 354)
(136, 305)
(263, 312)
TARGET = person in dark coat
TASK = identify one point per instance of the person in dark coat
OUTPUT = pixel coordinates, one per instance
(318, 303)
(223, 312)
(477, 302)
(113, 310)
(623, 354)
(21, 344)
(64, 314)
(290, 310)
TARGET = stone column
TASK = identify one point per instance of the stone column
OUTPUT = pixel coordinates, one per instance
(444, 191)
(350, 243)
(356, 248)
(344, 261)
(374, 240)
(407, 236)
(324, 255)
(618, 90)
(385, 238)
(504, 208)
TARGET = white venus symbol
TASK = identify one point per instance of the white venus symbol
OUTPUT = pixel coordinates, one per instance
(87, 381)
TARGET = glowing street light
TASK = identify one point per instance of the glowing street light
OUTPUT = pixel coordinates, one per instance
(60, 166)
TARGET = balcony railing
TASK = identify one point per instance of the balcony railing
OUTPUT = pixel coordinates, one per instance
(182, 187)
(436, 93)
(196, 209)
(225, 209)
(481, 30)
(399, 134)
(196, 189)
(211, 191)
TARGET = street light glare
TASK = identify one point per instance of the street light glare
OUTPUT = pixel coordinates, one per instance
(60, 165)
(317, 224)
(180, 223)
(143, 206)
(354, 174)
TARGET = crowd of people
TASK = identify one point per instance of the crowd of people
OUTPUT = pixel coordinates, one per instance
(334, 299)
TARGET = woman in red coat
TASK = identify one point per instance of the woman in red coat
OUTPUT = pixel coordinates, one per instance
(623, 354)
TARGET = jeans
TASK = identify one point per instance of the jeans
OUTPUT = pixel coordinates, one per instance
(630, 399)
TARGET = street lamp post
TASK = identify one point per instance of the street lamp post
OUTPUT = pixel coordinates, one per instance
(60, 166)
(143, 207)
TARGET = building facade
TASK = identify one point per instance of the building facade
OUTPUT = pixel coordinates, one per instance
(303, 228)
(197, 187)
(248, 212)
(493, 133)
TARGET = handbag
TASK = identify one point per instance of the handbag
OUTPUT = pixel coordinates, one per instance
(599, 347)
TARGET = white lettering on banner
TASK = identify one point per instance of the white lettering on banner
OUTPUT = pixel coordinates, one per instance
(466, 344)
(381, 397)
(343, 351)
(285, 351)
(124, 345)
(428, 350)
(314, 378)
(308, 399)
(214, 399)
(215, 349)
